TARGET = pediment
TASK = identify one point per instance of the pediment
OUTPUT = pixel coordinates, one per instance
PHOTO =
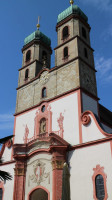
(40, 145)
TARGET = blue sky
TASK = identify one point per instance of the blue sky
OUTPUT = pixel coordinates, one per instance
(18, 19)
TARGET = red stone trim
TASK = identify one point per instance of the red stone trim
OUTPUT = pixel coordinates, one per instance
(2, 150)
(99, 170)
(61, 146)
(79, 114)
(57, 97)
(36, 188)
(8, 145)
(111, 147)
(2, 186)
(7, 163)
(87, 144)
(72, 16)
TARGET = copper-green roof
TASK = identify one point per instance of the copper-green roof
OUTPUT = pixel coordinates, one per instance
(73, 9)
(37, 35)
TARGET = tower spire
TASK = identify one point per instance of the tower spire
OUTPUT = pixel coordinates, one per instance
(71, 2)
(38, 25)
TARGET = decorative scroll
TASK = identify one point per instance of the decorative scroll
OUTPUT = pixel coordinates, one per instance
(25, 138)
(60, 124)
(43, 124)
(85, 118)
(39, 174)
(9, 143)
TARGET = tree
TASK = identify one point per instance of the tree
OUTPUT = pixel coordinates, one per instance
(5, 175)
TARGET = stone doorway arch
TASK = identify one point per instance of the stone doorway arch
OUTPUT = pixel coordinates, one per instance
(39, 193)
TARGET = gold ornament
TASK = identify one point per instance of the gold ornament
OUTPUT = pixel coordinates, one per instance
(71, 2)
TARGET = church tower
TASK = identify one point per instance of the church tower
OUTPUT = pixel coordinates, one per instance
(74, 53)
(60, 143)
(36, 56)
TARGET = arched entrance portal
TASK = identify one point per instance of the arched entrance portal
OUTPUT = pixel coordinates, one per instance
(39, 194)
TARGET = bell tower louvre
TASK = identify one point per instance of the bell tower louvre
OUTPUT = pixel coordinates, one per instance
(62, 134)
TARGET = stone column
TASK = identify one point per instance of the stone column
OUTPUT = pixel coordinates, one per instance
(57, 166)
(19, 183)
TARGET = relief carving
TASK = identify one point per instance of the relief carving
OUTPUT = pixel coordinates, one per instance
(39, 175)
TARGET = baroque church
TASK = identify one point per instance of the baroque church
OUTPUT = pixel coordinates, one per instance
(62, 144)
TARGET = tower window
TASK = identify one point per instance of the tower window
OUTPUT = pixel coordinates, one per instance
(26, 74)
(65, 32)
(65, 52)
(44, 55)
(84, 32)
(1, 193)
(28, 55)
(99, 183)
(85, 53)
(44, 92)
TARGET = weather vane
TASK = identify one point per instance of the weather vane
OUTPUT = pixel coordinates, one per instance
(38, 25)
(71, 2)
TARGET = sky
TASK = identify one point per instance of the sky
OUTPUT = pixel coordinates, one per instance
(18, 19)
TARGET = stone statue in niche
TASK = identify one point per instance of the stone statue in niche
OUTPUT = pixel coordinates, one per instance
(42, 126)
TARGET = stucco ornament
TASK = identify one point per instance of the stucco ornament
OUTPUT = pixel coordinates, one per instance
(85, 118)
(39, 174)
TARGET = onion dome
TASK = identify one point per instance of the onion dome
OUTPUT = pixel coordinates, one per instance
(73, 9)
(38, 36)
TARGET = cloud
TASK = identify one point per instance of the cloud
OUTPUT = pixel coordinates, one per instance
(6, 121)
(104, 68)
(103, 5)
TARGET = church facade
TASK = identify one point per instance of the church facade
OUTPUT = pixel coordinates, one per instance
(59, 122)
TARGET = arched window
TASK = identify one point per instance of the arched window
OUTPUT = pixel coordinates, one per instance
(26, 74)
(99, 183)
(1, 193)
(65, 52)
(85, 53)
(44, 92)
(65, 32)
(42, 126)
(28, 55)
(43, 108)
(84, 32)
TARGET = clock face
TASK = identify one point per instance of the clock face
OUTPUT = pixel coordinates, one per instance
(44, 77)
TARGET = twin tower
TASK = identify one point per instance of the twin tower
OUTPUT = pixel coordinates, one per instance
(74, 62)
